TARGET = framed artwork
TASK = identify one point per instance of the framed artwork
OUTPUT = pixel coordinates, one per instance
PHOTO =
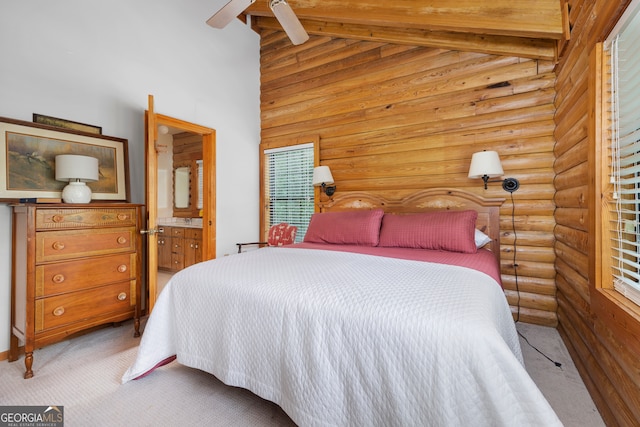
(68, 124)
(28, 152)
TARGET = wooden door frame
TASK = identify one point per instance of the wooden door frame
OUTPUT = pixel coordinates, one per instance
(153, 120)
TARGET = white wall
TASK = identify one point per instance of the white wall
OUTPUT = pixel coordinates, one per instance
(96, 62)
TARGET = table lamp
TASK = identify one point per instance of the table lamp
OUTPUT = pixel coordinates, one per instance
(77, 170)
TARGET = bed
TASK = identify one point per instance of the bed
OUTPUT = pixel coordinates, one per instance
(391, 312)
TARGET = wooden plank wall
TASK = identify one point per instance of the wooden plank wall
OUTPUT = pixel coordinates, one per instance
(393, 119)
(608, 366)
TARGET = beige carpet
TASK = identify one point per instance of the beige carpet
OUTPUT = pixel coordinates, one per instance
(83, 375)
(562, 386)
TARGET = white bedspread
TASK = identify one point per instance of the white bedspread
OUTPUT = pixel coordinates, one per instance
(348, 339)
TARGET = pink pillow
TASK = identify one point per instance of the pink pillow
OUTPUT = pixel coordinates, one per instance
(452, 231)
(345, 228)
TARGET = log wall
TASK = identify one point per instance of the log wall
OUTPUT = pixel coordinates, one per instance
(393, 119)
(604, 357)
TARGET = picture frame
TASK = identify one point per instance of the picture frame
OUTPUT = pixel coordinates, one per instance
(67, 124)
(27, 155)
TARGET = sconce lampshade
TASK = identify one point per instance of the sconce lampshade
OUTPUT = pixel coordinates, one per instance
(322, 175)
(485, 163)
(76, 170)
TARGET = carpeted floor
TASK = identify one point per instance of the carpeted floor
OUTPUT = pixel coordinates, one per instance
(562, 386)
(83, 375)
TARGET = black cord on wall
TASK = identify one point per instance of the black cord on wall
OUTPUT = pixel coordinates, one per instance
(515, 250)
(515, 272)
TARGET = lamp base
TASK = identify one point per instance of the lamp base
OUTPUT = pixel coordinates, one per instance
(76, 192)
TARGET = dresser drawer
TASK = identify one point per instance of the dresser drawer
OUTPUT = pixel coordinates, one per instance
(59, 245)
(70, 276)
(177, 261)
(57, 219)
(78, 306)
(177, 245)
(177, 232)
(193, 233)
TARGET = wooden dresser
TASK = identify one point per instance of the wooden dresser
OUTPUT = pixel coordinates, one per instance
(74, 267)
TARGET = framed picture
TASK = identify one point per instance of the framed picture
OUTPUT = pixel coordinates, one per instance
(28, 152)
(67, 124)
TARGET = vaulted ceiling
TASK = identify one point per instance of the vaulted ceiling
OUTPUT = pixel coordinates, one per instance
(527, 28)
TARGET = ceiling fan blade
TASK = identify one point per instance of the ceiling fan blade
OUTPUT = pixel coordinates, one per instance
(289, 21)
(229, 11)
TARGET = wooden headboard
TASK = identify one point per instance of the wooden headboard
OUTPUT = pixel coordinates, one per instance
(427, 200)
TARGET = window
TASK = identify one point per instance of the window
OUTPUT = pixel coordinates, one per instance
(613, 223)
(621, 123)
(615, 159)
(288, 189)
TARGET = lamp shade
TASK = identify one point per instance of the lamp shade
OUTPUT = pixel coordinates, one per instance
(76, 170)
(485, 163)
(322, 175)
(73, 167)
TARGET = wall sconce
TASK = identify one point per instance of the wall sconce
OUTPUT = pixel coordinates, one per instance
(485, 165)
(76, 170)
(322, 177)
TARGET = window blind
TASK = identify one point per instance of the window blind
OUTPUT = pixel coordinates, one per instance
(289, 186)
(200, 164)
(624, 161)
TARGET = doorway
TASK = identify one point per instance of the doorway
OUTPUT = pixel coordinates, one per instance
(180, 196)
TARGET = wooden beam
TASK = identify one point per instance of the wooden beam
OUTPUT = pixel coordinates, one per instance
(497, 45)
(516, 18)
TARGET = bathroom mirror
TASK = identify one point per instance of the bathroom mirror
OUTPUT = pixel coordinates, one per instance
(181, 185)
(187, 157)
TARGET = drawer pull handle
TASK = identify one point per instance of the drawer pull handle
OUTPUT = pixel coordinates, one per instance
(58, 278)
(122, 268)
(58, 246)
(122, 240)
(122, 216)
(122, 296)
(57, 218)
(58, 311)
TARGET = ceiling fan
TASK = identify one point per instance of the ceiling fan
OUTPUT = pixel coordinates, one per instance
(281, 9)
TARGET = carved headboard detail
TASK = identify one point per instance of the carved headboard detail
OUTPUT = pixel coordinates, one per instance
(427, 200)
